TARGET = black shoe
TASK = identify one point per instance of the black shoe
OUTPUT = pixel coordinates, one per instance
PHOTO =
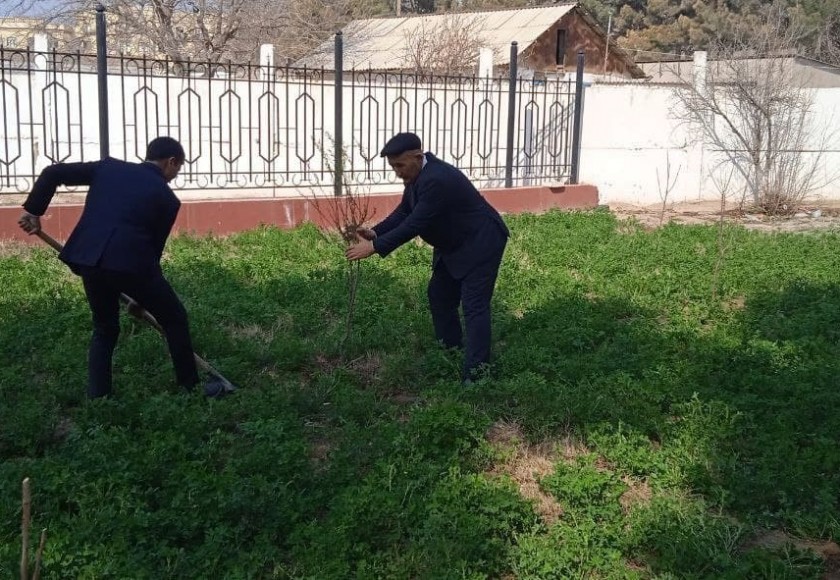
(216, 388)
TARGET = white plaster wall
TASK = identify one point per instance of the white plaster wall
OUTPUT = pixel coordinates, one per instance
(631, 135)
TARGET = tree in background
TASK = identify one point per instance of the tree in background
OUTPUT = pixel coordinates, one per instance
(822, 21)
(296, 27)
(669, 27)
(221, 29)
(418, 6)
(181, 29)
(210, 30)
(449, 47)
(177, 29)
(756, 113)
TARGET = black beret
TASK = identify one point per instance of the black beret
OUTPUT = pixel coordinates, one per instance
(400, 143)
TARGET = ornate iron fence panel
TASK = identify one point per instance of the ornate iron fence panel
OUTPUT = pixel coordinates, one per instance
(543, 141)
(252, 127)
(242, 126)
(42, 117)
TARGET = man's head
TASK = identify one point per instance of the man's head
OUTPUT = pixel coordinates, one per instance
(405, 155)
(166, 153)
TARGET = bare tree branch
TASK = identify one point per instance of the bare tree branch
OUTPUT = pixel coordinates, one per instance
(447, 48)
(757, 112)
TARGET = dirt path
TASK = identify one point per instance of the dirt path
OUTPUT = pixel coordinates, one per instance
(815, 217)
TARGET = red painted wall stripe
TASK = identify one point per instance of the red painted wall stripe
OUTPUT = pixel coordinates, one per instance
(227, 216)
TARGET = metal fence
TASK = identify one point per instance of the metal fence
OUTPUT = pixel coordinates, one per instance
(249, 126)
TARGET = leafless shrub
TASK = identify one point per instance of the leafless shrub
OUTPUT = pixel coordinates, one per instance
(756, 113)
(667, 187)
(341, 217)
(724, 183)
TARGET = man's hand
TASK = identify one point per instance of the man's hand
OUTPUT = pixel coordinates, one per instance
(29, 223)
(360, 251)
(366, 233)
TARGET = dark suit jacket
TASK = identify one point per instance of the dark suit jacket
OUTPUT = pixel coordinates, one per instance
(447, 211)
(129, 212)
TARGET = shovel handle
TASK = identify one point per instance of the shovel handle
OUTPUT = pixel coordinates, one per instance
(141, 313)
(49, 240)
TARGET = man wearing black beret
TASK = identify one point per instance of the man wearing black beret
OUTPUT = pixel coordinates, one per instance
(440, 205)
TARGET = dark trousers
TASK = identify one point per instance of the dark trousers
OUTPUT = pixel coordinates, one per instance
(473, 293)
(103, 289)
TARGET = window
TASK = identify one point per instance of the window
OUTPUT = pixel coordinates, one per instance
(560, 55)
(11, 42)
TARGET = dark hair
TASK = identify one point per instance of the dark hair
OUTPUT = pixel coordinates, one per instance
(164, 148)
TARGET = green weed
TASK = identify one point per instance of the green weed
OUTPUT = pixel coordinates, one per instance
(704, 402)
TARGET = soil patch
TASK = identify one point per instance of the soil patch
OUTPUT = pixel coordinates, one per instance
(823, 216)
(526, 464)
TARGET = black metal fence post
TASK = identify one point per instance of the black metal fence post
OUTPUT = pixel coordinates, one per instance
(576, 131)
(102, 80)
(511, 120)
(339, 129)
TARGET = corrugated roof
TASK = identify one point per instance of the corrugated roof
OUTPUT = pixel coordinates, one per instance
(379, 43)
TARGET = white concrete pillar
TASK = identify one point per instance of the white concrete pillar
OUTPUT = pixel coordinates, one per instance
(485, 63)
(40, 43)
(697, 146)
(41, 47)
(700, 75)
(266, 61)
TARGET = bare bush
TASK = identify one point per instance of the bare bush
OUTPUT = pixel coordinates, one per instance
(667, 187)
(726, 189)
(341, 216)
(756, 112)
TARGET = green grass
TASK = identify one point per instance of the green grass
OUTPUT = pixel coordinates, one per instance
(699, 413)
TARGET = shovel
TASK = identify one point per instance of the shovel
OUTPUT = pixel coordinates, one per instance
(223, 386)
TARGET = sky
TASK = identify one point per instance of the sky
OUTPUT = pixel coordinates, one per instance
(28, 7)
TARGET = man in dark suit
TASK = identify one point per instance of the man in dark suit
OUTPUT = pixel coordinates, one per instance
(441, 206)
(116, 248)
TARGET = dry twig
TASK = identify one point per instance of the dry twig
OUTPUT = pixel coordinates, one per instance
(26, 520)
(343, 215)
(665, 192)
(25, 525)
(39, 555)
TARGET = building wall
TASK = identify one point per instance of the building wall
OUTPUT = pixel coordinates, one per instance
(579, 36)
(818, 75)
(633, 143)
(804, 72)
(18, 33)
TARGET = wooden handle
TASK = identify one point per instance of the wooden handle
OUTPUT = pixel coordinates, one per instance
(50, 241)
(141, 313)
